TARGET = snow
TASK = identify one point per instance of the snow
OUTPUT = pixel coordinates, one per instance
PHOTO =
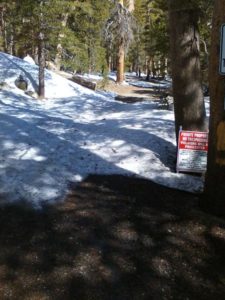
(207, 107)
(112, 76)
(163, 84)
(95, 77)
(29, 59)
(46, 144)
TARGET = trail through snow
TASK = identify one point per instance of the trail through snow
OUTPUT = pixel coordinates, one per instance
(76, 132)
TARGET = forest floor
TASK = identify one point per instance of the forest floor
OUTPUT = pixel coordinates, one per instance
(113, 238)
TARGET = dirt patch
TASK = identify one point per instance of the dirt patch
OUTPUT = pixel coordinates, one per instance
(131, 94)
(114, 237)
(128, 90)
(129, 99)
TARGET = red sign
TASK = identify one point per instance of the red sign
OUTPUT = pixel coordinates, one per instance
(192, 140)
(192, 151)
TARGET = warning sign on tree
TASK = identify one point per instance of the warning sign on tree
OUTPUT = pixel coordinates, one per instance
(192, 151)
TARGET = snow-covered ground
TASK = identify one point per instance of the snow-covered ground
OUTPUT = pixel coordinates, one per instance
(75, 132)
(163, 84)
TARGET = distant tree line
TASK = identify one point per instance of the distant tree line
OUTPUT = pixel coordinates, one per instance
(92, 35)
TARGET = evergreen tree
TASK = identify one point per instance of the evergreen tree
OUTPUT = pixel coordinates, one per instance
(151, 43)
(186, 72)
(136, 59)
(82, 40)
(119, 33)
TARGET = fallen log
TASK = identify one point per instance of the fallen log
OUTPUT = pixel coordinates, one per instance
(84, 82)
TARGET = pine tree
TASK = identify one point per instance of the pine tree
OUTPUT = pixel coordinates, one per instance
(41, 53)
(151, 42)
(82, 40)
(186, 72)
(118, 34)
(136, 57)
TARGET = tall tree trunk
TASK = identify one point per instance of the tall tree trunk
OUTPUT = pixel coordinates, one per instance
(109, 63)
(41, 61)
(187, 87)
(214, 194)
(153, 67)
(148, 70)
(58, 56)
(2, 27)
(131, 5)
(41, 56)
(11, 44)
(166, 67)
(120, 58)
(120, 64)
(59, 48)
(121, 48)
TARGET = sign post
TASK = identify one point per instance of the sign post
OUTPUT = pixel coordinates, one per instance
(222, 51)
(222, 54)
(192, 151)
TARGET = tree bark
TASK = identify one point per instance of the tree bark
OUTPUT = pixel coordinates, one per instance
(121, 48)
(148, 69)
(59, 48)
(41, 61)
(186, 73)
(41, 57)
(4, 28)
(120, 58)
(131, 5)
(120, 64)
(109, 63)
(153, 67)
(213, 199)
(11, 44)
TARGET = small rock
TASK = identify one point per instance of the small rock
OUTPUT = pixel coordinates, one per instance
(3, 85)
(21, 83)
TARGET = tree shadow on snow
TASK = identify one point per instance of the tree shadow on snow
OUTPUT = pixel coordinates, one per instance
(50, 148)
